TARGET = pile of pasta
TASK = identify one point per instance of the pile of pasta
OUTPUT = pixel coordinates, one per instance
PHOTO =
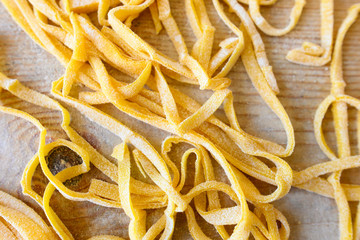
(88, 46)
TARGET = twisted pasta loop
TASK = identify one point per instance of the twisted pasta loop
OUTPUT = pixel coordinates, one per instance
(259, 20)
(312, 54)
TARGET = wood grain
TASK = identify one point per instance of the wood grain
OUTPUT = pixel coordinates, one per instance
(302, 89)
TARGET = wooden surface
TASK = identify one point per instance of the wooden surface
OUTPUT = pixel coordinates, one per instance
(302, 89)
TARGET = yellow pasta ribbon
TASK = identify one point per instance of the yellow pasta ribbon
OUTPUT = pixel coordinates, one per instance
(310, 53)
(259, 20)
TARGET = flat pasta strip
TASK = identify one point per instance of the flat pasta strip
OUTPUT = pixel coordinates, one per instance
(314, 55)
(155, 17)
(24, 225)
(259, 20)
(137, 226)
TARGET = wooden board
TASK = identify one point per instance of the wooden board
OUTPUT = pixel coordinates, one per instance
(302, 89)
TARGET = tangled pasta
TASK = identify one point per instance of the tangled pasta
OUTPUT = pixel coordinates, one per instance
(65, 30)
(339, 102)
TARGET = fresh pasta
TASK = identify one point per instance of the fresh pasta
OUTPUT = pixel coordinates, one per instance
(259, 20)
(312, 54)
(87, 51)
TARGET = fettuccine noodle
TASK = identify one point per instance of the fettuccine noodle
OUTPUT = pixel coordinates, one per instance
(310, 53)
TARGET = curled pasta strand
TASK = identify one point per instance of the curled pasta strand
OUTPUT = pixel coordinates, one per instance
(310, 53)
(259, 20)
(254, 35)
